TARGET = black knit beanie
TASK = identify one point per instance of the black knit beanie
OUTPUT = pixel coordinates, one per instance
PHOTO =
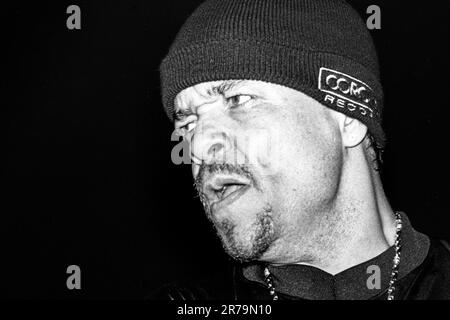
(319, 47)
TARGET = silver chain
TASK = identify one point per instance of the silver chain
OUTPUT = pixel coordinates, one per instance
(394, 272)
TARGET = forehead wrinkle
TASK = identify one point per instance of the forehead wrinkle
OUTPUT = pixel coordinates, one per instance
(188, 98)
(223, 87)
(199, 90)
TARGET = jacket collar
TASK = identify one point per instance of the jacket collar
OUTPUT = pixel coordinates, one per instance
(307, 282)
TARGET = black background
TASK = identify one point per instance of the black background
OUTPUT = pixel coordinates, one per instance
(88, 178)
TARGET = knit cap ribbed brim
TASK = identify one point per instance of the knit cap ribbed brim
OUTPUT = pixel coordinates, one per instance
(319, 47)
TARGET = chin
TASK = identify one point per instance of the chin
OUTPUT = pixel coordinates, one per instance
(241, 254)
(245, 247)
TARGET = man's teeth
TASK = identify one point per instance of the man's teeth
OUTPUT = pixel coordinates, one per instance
(221, 192)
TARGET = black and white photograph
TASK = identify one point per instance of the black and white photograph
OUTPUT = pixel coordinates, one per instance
(241, 151)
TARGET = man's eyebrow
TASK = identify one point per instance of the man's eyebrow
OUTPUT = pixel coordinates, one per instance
(213, 91)
(223, 88)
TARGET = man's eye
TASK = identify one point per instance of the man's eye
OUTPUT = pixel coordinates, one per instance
(239, 100)
(189, 126)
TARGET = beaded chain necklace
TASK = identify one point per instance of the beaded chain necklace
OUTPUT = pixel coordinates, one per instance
(394, 272)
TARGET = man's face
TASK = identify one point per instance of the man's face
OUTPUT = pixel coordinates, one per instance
(266, 160)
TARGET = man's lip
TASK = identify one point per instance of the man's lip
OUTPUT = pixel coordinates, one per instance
(218, 181)
(219, 186)
(230, 198)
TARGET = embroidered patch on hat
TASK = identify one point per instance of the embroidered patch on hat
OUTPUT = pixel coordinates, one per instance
(343, 91)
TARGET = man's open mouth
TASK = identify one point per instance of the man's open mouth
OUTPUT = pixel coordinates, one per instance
(220, 188)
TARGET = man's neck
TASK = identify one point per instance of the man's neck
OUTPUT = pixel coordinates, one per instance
(359, 225)
(370, 217)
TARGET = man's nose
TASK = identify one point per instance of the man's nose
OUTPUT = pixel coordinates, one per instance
(210, 143)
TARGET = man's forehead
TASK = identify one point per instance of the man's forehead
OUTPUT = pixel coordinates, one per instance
(204, 91)
(190, 98)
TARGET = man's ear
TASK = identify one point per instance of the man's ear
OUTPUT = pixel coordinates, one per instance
(353, 131)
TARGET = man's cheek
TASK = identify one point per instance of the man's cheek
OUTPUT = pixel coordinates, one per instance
(265, 149)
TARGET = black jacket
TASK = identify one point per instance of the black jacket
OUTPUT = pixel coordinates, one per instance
(429, 280)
